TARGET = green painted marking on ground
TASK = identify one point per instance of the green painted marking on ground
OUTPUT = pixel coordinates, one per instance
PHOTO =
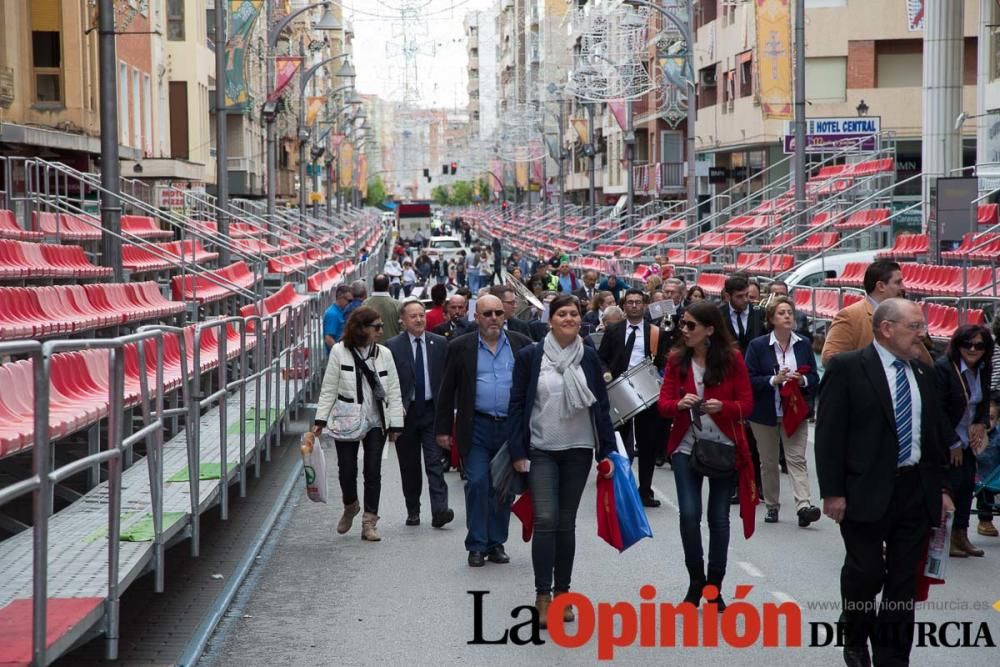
(206, 470)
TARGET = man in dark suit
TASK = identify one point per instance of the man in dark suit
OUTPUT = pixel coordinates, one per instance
(586, 292)
(477, 381)
(508, 297)
(745, 321)
(881, 459)
(627, 344)
(458, 318)
(420, 358)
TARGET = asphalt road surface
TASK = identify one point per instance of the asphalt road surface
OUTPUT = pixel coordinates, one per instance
(318, 598)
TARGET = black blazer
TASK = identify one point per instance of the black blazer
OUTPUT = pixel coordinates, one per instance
(856, 443)
(612, 349)
(754, 327)
(581, 294)
(454, 329)
(953, 395)
(527, 369)
(435, 356)
(458, 388)
(519, 326)
(762, 361)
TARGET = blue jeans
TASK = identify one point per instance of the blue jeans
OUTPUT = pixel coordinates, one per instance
(486, 520)
(557, 480)
(689, 500)
(473, 277)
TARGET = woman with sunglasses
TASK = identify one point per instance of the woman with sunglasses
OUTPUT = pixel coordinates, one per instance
(359, 364)
(964, 377)
(561, 422)
(706, 392)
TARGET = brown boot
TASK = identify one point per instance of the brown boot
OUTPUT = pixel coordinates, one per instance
(368, 531)
(987, 529)
(956, 546)
(347, 518)
(568, 615)
(542, 602)
(967, 546)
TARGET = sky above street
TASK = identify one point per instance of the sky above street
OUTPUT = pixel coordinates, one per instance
(440, 45)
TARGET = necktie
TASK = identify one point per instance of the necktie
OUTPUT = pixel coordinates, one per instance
(741, 332)
(904, 416)
(419, 396)
(629, 344)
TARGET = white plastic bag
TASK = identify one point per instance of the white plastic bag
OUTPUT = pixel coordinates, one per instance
(314, 468)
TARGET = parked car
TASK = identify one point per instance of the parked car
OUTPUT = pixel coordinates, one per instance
(445, 247)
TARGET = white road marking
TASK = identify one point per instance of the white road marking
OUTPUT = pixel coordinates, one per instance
(665, 498)
(783, 597)
(750, 569)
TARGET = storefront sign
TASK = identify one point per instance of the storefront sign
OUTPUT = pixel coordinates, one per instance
(824, 135)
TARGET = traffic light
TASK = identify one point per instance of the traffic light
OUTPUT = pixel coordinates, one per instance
(454, 167)
(444, 169)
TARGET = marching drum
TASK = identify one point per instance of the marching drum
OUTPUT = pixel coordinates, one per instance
(633, 392)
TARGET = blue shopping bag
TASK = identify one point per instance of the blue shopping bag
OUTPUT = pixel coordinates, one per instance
(628, 506)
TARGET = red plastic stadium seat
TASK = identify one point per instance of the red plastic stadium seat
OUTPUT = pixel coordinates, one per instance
(144, 227)
(907, 246)
(751, 223)
(9, 229)
(689, 257)
(761, 263)
(988, 214)
(716, 240)
(22, 259)
(212, 285)
(852, 276)
(779, 241)
(864, 219)
(328, 278)
(68, 227)
(818, 242)
(712, 283)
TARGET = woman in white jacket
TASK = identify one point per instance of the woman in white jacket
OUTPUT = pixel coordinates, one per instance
(359, 363)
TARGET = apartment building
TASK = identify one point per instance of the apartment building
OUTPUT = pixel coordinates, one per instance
(481, 51)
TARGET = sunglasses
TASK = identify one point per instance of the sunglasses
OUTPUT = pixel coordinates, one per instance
(378, 326)
(689, 325)
(492, 313)
(969, 345)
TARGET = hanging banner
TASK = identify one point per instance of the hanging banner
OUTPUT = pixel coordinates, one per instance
(242, 16)
(285, 68)
(774, 57)
(336, 140)
(313, 107)
(617, 108)
(363, 174)
(915, 15)
(521, 174)
(580, 125)
(346, 167)
(496, 168)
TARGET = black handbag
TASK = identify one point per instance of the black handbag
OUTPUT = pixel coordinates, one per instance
(714, 460)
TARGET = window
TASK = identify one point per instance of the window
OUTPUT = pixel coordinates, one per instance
(136, 110)
(147, 114)
(123, 103)
(826, 79)
(899, 70)
(708, 89)
(175, 20)
(746, 73)
(46, 56)
(671, 147)
(706, 11)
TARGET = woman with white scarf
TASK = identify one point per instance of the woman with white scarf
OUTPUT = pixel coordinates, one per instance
(559, 413)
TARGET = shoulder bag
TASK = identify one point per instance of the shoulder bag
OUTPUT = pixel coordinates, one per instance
(347, 418)
(714, 460)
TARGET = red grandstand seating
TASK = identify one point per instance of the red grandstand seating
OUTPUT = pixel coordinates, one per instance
(325, 280)
(212, 285)
(779, 241)
(68, 227)
(872, 167)
(254, 246)
(988, 214)
(62, 615)
(829, 171)
(751, 223)
(712, 283)
(237, 230)
(9, 229)
(823, 218)
(626, 252)
(22, 259)
(907, 246)
(937, 280)
(818, 242)
(761, 263)
(144, 227)
(864, 219)
(983, 247)
(652, 238)
(35, 312)
(164, 256)
(689, 257)
(942, 320)
(716, 240)
(821, 303)
(274, 303)
(852, 276)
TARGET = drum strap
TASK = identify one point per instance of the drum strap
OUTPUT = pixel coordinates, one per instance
(654, 341)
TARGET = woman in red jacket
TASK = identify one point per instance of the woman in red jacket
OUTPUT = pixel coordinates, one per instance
(707, 372)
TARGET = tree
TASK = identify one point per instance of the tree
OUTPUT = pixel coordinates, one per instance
(461, 194)
(440, 195)
(483, 185)
(376, 191)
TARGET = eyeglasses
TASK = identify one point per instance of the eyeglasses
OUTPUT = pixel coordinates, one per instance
(912, 326)
(970, 345)
(689, 325)
(492, 313)
(376, 325)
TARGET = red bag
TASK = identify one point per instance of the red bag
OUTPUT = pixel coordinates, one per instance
(523, 510)
(793, 404)
(607, 518)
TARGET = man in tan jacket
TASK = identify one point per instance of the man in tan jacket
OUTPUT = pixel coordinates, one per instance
(851, 329)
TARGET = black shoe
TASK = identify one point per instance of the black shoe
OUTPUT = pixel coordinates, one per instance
(807, 515)
(735, 500)
(857, 656)
(661, 461)
(772, 515)
(715, 579)
(497, 555)
(477, 559)
(413, 519)
(650, 501)
(439, 519)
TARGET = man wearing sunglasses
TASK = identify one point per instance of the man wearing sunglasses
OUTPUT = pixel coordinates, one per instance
(625, 345)
(335, 316)
(474, 395)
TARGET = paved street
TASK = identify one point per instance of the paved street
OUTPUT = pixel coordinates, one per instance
(318, 598)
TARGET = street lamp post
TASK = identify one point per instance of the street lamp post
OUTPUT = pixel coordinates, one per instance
(591, 150)
(111, 207)
(221, 153)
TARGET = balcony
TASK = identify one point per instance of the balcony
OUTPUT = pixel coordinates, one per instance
(658, 178)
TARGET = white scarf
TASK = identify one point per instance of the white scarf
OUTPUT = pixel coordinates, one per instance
(576, 393)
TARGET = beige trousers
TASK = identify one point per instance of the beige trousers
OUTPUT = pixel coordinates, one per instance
(769, 439)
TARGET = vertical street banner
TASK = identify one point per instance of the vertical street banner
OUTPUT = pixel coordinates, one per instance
(581, 127)
(617, 108)
(285, 68)
(313, 106)
(242, 16)
(346, 166)
(363, 174)
(521, 174)
(774, 57)
(335, 140)
(915, 15)
(496, 166)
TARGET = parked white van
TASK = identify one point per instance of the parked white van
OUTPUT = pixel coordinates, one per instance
(814, 272)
